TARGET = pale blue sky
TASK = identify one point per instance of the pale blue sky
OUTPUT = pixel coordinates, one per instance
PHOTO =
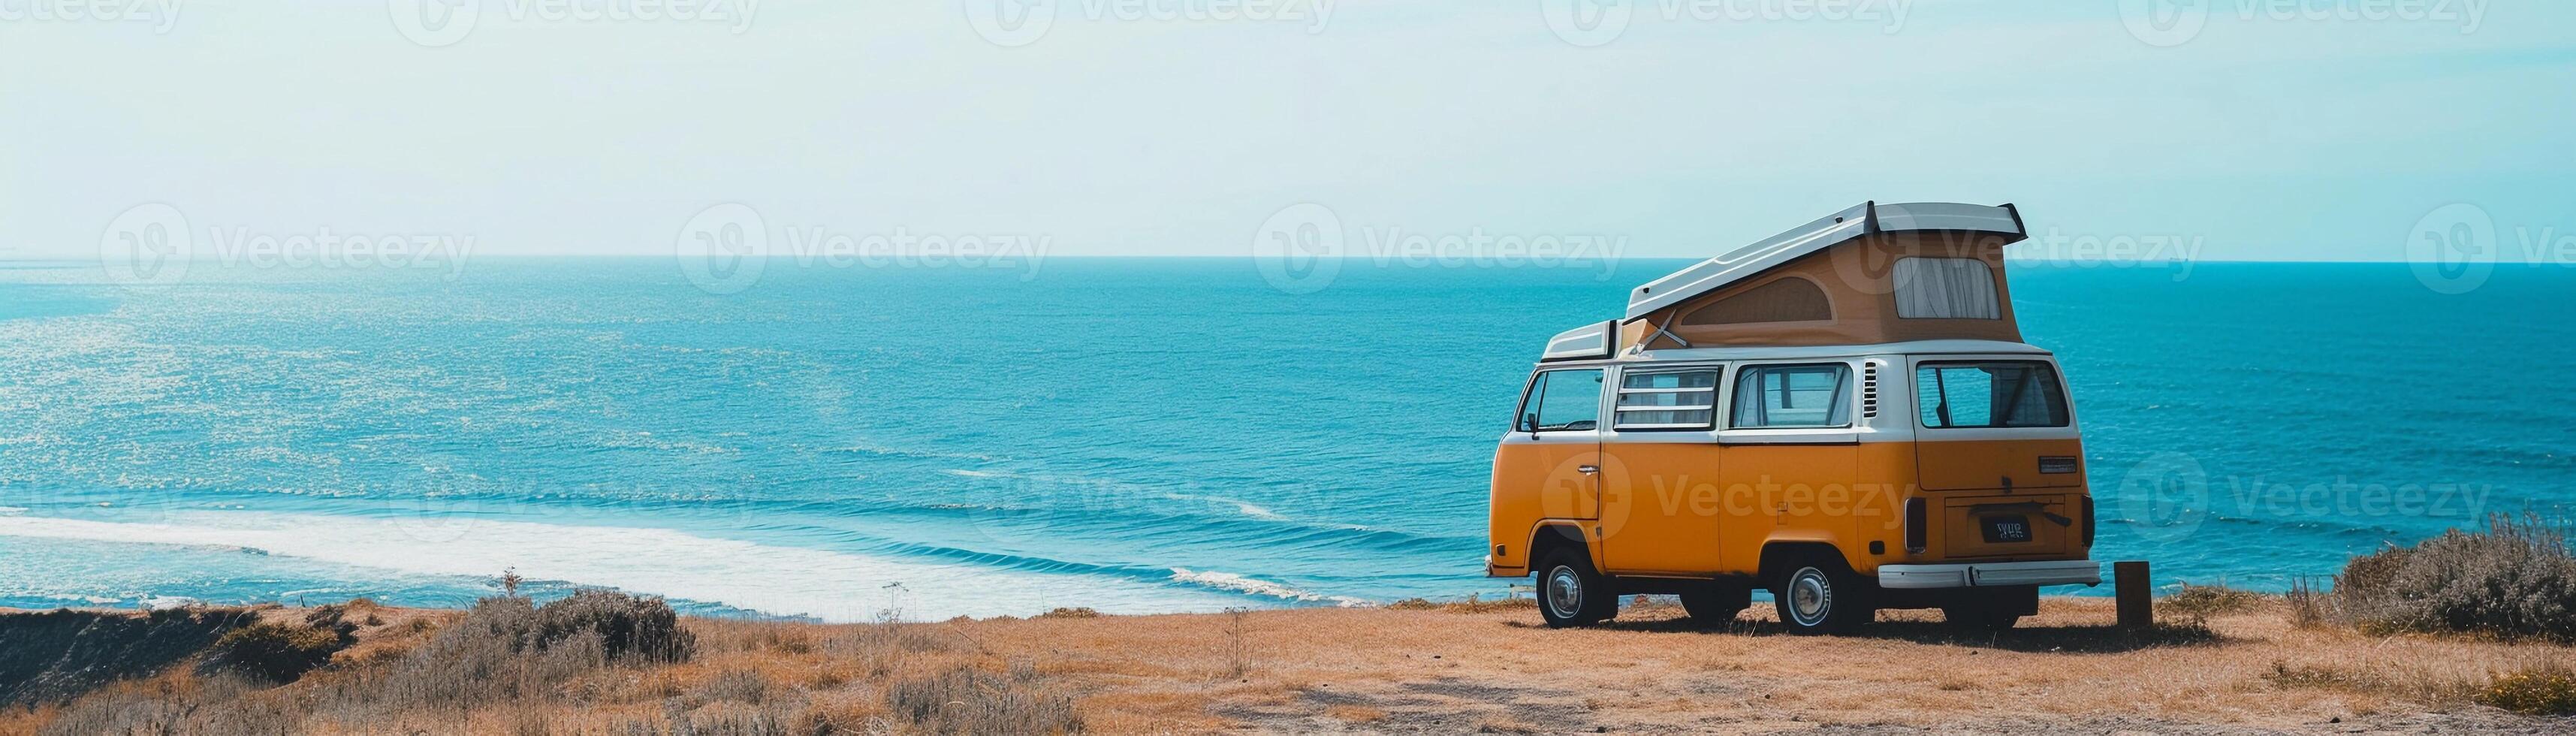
(2260, 137)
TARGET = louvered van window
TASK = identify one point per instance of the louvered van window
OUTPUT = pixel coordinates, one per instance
(1668, 399)
(1945, 288)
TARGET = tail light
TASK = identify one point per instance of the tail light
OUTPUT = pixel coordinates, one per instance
(2088, 520)
(1917, 524)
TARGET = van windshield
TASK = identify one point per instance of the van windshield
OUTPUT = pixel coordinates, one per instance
(1989, 394)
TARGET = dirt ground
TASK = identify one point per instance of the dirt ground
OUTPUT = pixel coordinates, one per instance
(1447, 671)
(1494, 669)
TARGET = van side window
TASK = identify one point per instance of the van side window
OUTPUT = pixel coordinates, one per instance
(1564, 401)
(1782, 396)
(1989, 394)
(1945, 288)
(1667, 399)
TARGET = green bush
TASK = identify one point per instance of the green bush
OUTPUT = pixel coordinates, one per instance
(2515, 580)
(274, 652)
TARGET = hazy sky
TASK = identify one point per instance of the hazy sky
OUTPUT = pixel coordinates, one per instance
(2323, 129)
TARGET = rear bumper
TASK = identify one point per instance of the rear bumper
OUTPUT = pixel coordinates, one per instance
(1978, 574)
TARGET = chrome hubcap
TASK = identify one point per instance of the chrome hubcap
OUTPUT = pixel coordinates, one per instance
(1810, 597)
(1564, 592)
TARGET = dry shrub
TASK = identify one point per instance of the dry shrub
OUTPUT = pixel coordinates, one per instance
(275, 652)
(2515, 580)
(727, 722)
(2543, 690)
(2199, 602)
(629, 628)
(965, 699)
(739, 685)
(55, 656)
(2311, 605)
(2415, 685)
(505, 648)
(204, 706)
(1069, 613)
(885, 647)
(1473, 603)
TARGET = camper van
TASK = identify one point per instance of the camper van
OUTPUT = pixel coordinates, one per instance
(1843, 414)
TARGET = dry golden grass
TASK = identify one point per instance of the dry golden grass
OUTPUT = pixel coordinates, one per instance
(1460, 668)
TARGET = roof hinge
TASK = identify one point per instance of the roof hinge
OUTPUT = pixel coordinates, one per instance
(1663, 331)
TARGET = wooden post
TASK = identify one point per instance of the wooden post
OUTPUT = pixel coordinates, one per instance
(2137, 597)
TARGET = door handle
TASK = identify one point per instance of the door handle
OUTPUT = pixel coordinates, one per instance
(1588, 469)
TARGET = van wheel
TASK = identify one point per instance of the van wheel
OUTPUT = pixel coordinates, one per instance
(1570, 593)
(1716, 603)
(1820, 596)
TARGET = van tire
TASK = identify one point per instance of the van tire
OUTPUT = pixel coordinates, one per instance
(1571, 593)
(1711, 604)
(1817, 594)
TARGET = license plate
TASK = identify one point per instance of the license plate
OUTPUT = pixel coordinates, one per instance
(2005, 529)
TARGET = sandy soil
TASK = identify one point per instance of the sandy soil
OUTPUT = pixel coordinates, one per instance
(1651, 671)
(1494, 669)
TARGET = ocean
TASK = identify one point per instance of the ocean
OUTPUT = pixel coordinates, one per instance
(1131, 435)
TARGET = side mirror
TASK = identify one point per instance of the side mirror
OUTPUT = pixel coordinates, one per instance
(1529, 423)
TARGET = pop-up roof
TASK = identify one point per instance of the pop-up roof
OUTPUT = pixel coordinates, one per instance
(1867, 275)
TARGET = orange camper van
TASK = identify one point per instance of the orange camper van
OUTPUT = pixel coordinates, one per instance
(1844, 415)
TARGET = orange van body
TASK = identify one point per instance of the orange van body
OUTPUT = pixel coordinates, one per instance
(1843, 415)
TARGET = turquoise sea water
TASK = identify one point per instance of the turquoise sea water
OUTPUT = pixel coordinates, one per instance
(1131, 435)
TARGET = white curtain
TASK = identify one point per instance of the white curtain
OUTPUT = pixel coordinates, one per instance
(1945, 288)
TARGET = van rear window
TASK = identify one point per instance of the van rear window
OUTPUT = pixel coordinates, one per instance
(1989, 394)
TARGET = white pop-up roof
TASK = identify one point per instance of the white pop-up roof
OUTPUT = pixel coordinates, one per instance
(1870, 218)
